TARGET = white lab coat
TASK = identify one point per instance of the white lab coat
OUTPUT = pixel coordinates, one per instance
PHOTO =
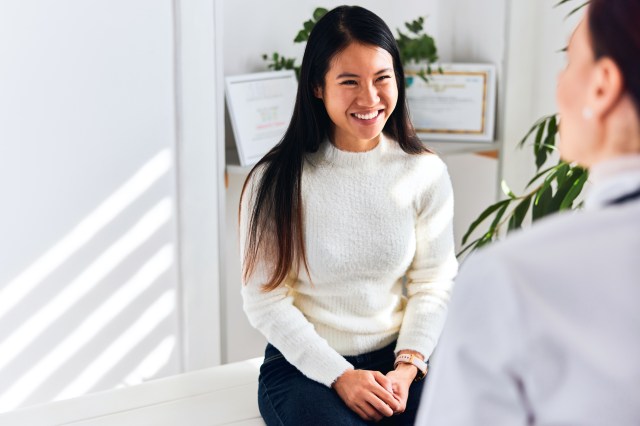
(544, 328)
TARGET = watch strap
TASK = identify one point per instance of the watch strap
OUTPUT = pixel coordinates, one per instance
(413, 360)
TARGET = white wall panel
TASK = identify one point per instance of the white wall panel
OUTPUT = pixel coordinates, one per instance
(88, 277)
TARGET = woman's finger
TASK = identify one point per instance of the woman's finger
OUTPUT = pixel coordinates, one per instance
(383, 380)
(370, 413)
(380, 405)
(386, 397)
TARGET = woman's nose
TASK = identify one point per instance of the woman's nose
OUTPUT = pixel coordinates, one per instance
(368, 96)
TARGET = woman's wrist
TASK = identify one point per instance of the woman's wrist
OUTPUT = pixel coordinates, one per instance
(344, 373)
(408, 371)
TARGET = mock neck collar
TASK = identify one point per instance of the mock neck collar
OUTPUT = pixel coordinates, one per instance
(612, 179)
(328, 153)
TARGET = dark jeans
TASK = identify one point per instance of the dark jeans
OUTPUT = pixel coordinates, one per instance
(287, 397)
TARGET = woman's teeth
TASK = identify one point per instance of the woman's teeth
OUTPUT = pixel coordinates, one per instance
(367, 116)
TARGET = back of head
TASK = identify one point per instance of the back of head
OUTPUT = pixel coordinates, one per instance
(614, 26)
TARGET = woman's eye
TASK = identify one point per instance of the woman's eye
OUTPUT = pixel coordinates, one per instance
(348, 83)
(383, 77)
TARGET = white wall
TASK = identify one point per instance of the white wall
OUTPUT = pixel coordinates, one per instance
(88, 183)
(110, 177)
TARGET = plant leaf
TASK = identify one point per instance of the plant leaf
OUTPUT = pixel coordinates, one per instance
(467, 247)
(565, 183)
(539, 175)
(487, 238)
(543, 198)
(563, 172)
(541, 157)
(320, 12)
(538, 139)
(493, 228)
(560, 3)
(492, 208)
(546, 184)
(532, 129)
(577, 9)
(575, 190)
(519, 213)
(552, 130)
(302, 36)
(506, 190)
(308, 26)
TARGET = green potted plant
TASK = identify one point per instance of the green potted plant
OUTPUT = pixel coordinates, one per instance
(417, 49)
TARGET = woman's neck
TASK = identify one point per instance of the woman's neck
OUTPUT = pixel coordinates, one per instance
(620, 135)
(353, 145)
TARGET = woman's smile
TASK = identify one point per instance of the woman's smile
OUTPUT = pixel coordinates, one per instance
(368, 117)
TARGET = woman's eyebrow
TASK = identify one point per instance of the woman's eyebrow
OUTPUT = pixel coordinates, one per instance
(348, 74)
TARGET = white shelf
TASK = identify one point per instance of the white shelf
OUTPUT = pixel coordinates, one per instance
(448, 148)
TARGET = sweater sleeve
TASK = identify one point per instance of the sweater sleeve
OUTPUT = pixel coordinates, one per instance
(274, 314)
(430, 277)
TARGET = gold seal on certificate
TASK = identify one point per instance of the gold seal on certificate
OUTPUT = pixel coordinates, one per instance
(455, 104)
(260, 108)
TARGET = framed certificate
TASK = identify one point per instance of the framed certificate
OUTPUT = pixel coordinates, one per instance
(458, 104)
(260, 108)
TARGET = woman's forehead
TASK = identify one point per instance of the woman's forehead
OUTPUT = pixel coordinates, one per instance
(361, 56)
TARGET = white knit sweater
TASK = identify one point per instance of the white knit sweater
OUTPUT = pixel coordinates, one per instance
(370, 220)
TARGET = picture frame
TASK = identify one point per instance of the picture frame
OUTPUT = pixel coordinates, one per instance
(260, 109)
(456, 103)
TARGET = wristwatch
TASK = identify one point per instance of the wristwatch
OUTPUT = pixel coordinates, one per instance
(413, 360)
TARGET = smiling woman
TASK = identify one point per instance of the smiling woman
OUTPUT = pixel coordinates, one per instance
(343, 218)
(359, 103)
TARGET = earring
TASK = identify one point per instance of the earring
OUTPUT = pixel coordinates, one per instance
(587, 113)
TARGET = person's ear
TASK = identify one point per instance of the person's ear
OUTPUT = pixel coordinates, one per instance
(318, 92)
(606, 88)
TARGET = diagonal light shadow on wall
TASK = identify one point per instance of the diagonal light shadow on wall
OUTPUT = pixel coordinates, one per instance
(157, 358)
(109, 259)
(161, 309)
(12, 293)
(144, 360)
(77, 338)
(119, 236)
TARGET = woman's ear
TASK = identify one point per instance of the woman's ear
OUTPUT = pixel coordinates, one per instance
(606, 89)
(317, 92)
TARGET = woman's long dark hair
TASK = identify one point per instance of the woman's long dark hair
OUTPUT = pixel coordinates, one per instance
(275, 228)
(614, 26)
